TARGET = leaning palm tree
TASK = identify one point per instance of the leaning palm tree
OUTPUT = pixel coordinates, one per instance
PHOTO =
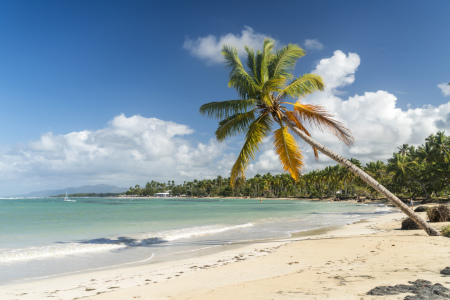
(267, 89)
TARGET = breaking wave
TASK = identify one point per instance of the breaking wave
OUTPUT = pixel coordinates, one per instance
(110, 244)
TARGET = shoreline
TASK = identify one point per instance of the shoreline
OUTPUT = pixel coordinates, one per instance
(337, 258)
(207, 250)
(328, 199)
(193, 228)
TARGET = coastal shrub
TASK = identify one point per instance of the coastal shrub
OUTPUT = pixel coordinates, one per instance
(421, 209)
(439, 213)
(315, 194)
(409, 224)
(446, 231)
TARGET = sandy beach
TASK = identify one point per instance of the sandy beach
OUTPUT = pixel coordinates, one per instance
(342, 263)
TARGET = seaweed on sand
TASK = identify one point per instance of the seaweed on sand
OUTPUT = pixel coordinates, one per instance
(440, 213)
(422, 289)
(409, 224)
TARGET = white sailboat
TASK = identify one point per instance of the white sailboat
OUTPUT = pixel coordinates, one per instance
(67, 198)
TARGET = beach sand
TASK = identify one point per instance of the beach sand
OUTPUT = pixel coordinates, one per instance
(344, 263)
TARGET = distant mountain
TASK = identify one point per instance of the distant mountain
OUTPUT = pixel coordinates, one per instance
(99, 188)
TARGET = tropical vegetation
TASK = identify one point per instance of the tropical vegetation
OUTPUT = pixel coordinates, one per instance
(446, 230)
(78, 195)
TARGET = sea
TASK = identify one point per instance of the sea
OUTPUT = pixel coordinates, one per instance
(47, 237)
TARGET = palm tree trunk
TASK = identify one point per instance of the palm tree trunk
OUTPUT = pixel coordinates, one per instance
(364, 176)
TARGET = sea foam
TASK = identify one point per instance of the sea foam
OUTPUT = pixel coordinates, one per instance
(173, 235)
(51, 251)
(106, 244)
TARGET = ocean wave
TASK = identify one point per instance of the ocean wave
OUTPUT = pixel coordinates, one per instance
(182, 233)
(383, 209)
(52, 251)
(109, 244)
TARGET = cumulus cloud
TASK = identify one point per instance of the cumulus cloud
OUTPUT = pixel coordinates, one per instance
(129, 150)
(313, 44)
(377, 123)
(445, 88)
(209, 48)
(338, 70)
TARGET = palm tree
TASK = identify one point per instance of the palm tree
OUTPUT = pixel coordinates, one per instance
(403, 168)
(440, 148)
(403, 150)
(374, 168)
(265, 91)
(377, 170)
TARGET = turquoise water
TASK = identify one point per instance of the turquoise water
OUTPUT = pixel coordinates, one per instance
(48, 236)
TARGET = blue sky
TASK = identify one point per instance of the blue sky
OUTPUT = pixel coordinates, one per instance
(89, 88)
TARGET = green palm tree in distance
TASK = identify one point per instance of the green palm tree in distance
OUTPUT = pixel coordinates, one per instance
(269, 96)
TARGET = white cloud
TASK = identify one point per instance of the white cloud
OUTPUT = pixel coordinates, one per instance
(445, 88)
(209, 48)
(313, 44)
(338, 70)
(377, 123)
(128, 151)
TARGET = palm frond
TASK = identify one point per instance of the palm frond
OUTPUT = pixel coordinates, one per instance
(317, 116)
(224, 109)
(302, 86)
(239, 78)
(280, 68)
(285, 60)
(274, 85)
(258, 60)
(251, 63)
(288, 152)
(233, 125)
(257, 131)
(232, 60)
(293, 117)
(266, 56)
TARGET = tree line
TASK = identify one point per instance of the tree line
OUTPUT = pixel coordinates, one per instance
(422, 171)
(78, 195)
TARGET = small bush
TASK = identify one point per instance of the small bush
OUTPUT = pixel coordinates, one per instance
(409, 224)
(421, 209)
(446, 231)
(440, 213)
